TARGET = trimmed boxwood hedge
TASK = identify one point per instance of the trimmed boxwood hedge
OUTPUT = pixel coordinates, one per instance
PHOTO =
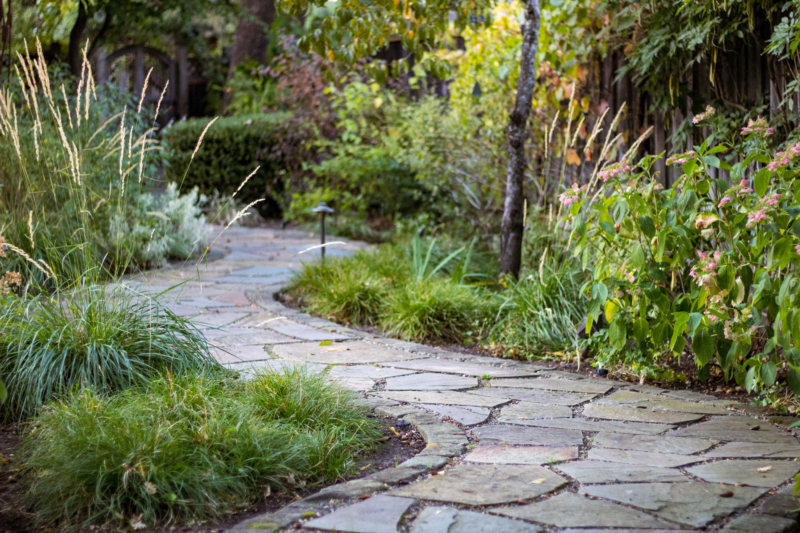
(232, 148)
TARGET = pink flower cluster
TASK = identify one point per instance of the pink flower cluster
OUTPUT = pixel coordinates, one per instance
(725, 201)
(571, 196)
(680, 159)
(717, 302)
(784, 158)
(703, 271)
(612, 171)
(774, 200)
(759, 125)
(709, 112)
(736, 330)
(754, 218)
(743, 188)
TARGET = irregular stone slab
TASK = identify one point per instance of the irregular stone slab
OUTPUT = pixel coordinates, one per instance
(783, 503)
(746, 472)
(185, 310)
(259, 320)
(571, 510)
(437, 519)
(379, 514)
(521, 455)
(443, 398)
(613, 412)
(530, 410)
(591, 425)
(276, 365)
(694, 504)
(736, 428)
(430, 382)
(303, 332)
(366, 371)
(566, 385)
(633, 457)
(449, 366)
(690, 396)
(484, 484)
(536, 396)
(753, 523)
(754, 449)
(624, 530)
(356, 384)
(466, 415)
(516, 435)
(593, 472)
(352, 352)
(241, 336)
(240, 354)
(251, 281)
(649, 443)
(628, 398)
(262, 271)
(203, 301)
(215, 320)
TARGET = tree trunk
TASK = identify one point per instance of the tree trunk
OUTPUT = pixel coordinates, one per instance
(75, 38)
(250, 40)
(512, 227)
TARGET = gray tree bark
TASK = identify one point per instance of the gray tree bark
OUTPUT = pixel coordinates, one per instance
(512, 226)
(250, 40)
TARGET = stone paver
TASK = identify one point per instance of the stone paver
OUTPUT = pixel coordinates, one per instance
(521, 455)
(633, 457)
(484, 484)
(650, 443)
(753, 473)
(489, 423)
(464, 414)
(437, 519)
(565, 385)
(515, 435)
(629, 414)
(379, 514)
(693, 504)
(433, 382)
(530, 410)
(443, 397)
(571, 510)
(596, 472)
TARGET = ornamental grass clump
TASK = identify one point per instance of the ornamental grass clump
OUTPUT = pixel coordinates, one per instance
(706, 267)
(188, 447)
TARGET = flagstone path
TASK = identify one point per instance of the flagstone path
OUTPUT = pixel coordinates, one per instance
(512, 447)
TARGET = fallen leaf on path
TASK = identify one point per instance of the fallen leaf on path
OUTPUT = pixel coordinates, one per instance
(727, 494)
(538, 481)
(765, 469)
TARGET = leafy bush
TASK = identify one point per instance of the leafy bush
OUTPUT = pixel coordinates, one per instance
(231, 150)
(151, 228)
(96, 337)
(189, 447)
(707, 266)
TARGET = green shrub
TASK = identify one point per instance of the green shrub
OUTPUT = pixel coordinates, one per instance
(96, 337)
(231, 150)
(710, 268)
(189, 447)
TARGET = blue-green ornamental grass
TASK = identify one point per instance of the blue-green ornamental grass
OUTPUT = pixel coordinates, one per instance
(189, 447)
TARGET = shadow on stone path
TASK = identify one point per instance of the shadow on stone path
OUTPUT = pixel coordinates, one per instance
(511, 446)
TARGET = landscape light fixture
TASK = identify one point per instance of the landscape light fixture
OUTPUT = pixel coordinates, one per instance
(322, 208)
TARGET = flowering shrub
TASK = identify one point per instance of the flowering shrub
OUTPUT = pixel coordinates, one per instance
(705, 267)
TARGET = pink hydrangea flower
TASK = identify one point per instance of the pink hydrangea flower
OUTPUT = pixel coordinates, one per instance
(725, 201)
(709, 112)
(755, 217)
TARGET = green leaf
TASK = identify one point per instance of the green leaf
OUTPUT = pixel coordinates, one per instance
(617, 333)
(594, 309)
(711, 160)
(641, 329)
(762, 182)
(694, 321)
(680, 325)
(647, 226)
(3, 392)
(794, 381)
(750, 379)
(703, 345)
(326, 343)
(769, 371)
(637, 257)
(600, 292)
(608, 227)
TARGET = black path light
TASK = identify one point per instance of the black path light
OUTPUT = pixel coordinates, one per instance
(322, 208)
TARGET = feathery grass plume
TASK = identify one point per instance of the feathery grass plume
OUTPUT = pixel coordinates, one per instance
(30, 230)
(635, 146)
(102, 127)
(553, 127)
(541, 265)
(22, 87)
(245, 180)
(28, 69)
(578, 130)
(41, 68)
(545, 142)
(603, 153)
(66, 105)
(200, 140)
(122, 141)
(241, 213)
(22, 253)
(158, 107)
(144, 90)
(141, 161)
(130, 141)
(595, 132)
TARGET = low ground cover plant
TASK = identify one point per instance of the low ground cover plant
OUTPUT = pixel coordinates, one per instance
(193, 446)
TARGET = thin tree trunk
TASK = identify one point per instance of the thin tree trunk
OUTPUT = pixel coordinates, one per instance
(75, 38)
(250, 40)
(512, 226)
